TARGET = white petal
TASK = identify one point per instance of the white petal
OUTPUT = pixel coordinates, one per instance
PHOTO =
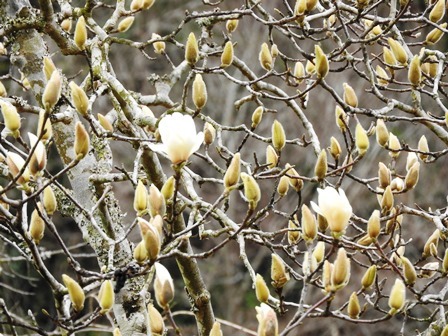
(316, 208)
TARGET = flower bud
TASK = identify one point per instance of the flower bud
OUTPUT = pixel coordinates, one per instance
(47, 129)
(49, 67)
(423, 147)
(156, 202)
(231, 25)
(75, 292)
(163, 286)
(428, 270)
(136, 5)
(389, 57)
(335, 148)
(394, 145)
(117, 332)
(438, 11)
(168, 188)
(50, 203)
(140, 253)
(310, 68)
(106, 296)
(433, 239)
(265, 57)
(320, 169)
(125, 24)
(151, 238)
(199, 92)
(322, 66)
(271, 157)
(232, 175)
(159, 46)
(397, 297)
(227, 55)
(105, 123)
(435, 35)
(261, 289)
(15, 164)
(278, 136)
(192, 50)
(412, 176)
(140, 198)
(52, 91)
(279, 275)
(274, 51)
(398, 51)
(353, 307)
(147, 4)
(365, 240)
(209, 133)
(66, 24)
(319, 252)
(257, 115)
(293, 236)
(361, 4)
(341, 273)
(267, 321)
(11, 118)
(295, 182)
(216, 329)
(309, 225)
(350, 97)
(82, 141)
(373, 225)
(361, 140)
(251, 190)
(430, 67)
(156, 320)
(382, 76)
(415, 71)
(383, 175)
(369, 277)
(382, 134)
(410, 275)
(327, 272)
(80, 36)
(375, 31)
(283, 186)
(37, 226)
(299, 72)
(79, 98)
(341, 118)
(387, 201)
(444, 331)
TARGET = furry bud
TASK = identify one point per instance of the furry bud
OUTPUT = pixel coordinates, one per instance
(382, 76)
(387, 201)
(192, 50)
(265, 57)
(156, 202)
(231, 25)
(82, 141)
(341, 273)
(52, 91)
(397, 297)
(106, 296)
(335, 148)
(79, 98)
(350, 97)
(125, 24)
(320, 169)
(159, 46)
(140, 253)
(319, 252)
(76, 293)
(438, 11)
(383, 175)
(49, 67)
(353, 307)
(168, 188)
(147, 4)
(295, 182)
(389, 57)
(412, 176)
(251, 190)
(369, 277)
(382, 134)
(227, 55)
(279, 275)
(415, 71)
(37, 226)
(199, 92)
(105, 123)
(156, 320)
(373, 225)
(283, 186)
(271, 157)
(293, 236)
(435, 35)
(209, 133)
(66, 24)
(232, 175)
(80, 36)
(423, 147)
(299, 72)
(140, 198)
(361, 140)
(261, 289)
(257, 115)
(398, 51)
(341, 118)
(163, 286)
(394, 145)
(216, 329)
(309, 225)
(322, 66)
(410, 275)
(15, 164)
(278, 136)
(47, 129)
(11, 118)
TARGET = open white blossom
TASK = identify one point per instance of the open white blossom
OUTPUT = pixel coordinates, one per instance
(179, 137)
(163, 286)
(335, 207)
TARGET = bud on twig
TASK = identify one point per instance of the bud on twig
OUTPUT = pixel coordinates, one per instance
(412, 176)
(320, 169)
(199, 92)
(319, 252)
(140, 198)
(52, 91)
(75, 292)
(231, 25)
(159, 46)
(156, 320)
(232, 175)
(163, 286)
(423, 147)
(209, 133)
(341, 273)
(279, 275)
(140, 253)
(168, 188)
(192, 50)
(322, 66)
(79, 98)
(299, 72)
(383, 175)
(382, 76)
(265, 57)
(435, 35)
(353, 308)
(251, 190)
(397, 297)
(156, 202)
(11, 118)
(37, 226)
(216, 329)
(105, 123)
(66, 24)
(394, 145)
(335, 148)
(438, 11)
(271, 157)
(295, 182)
(293, 236)
(382, 134)
(261, 289)
(369, 277)
(373, 225)
(283, 186)
(350, 97)
(415, 71)
(309, 225)
(80, 36)
(278, 136)
(125, 24)
(398, 51)
(361, 140)
(410, 275)
(267, 321)
(82, 141)
(257, 115)
(47, 129)
(15, 164)
(227, 55)
(49, 67)
(341, 118)
(106, 296)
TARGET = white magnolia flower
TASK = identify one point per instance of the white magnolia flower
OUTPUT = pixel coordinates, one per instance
(179, 137)
(335, 207)
(267, 321)
(163, 286)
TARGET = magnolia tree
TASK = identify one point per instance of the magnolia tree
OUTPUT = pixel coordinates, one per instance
(137, 160)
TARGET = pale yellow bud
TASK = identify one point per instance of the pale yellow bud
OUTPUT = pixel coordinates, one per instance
(231, 25)
(159, 46)
(227, 55)
(398, 51)
(125, 24)
(428, 270)
(382, 76)
(261, 289)
(394, 145)
(105, 123)
(341, 118)
(412, 176)
(327, 272)
(75, 292)
(155, 320)
(299, 72)
(283, 186)
(397, 297)
(279, 275)
(199, 92)
(47, 129)
(295, 182)
(147, 4)
(435, 35)
(140, 253)
(373, 225)
(293, 236)
(445, 262)
(66, 24)
(136, 5)
(79, 98)
(361, 139)
(444, 331)
(80, 36)
(49, 67)
(156, 202)
(415, 71)
(232, 175)
(369, 277)
(410, 275)
(438, 11)
(52, 91)
(271, 157)
(365, 240)
(300, 8)
(430, 67)
(310, 68)
(11, 118)
(309, 225)
(192, 50)
(322, 66)
(50, 203)
(350, 97)
(320, 169)
(433, 239)
(361, 4)
(140, 198)
(257, 115)
(106, 296)
(319, 252)
(251, 190)
(311, 4)
(209, 133)
(168, 188)
(278, 136)
(387, 201)
(37, 226)
(353, 308)
(15, 164)
(335, 148)
(383, 175)
(265, 57)
(375, 30)
(216, 329)
(382, 134)
(341, 273)
(163, 286)
(153, 242)
(423, 147)
(82, 141)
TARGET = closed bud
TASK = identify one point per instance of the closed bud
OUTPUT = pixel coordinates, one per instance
(322, 66)
(423, 147)
(125, 24)
(37, 226)
(216, 329)
(397, 297)
(376, 30)
(271, 157)
(295, 182)
(11, 118)
(335, 148)
(412, 176)
(227, 55)
(140, 253)
(382, 76)
(283, 186)
(438, 11)
(310, 68)
(394, 145)
(341, 118)
(117, 332)
(365, 240)
(80, 36)
(209, 134)
(192, 50)
(151, 238)
(168, 188)
(199, 92)
(369, 277)
(435, 35)
(319, 252)
(361, 4)
(251, 190)
(309, 264)
(383, 175)
(410, 275)
(299, 72)
(293, 236)
(382, 134)
(159, 46)
(163, 286)
(52, 91)
(387, 201)
(350, 97)
(261, 289)
(49, 67)
(136, 5)
(279, 275)
(373, 225)
(105, 123)
(389, 57)
(156, 320)
(430, 67)
(75, 292)
(15, 164)
(232, 175)
(341, 273)
(397, 184)
(267, 321)
(410, 160)
(445, 262)
(361, 140)
(231, 25)
(66, 24)
(106, 296)
(309, 225)
(79, 98)
(433, 239)
(147, 4)
(265, 57)
(300, 7)
(274, 51)
(82, 141)
(415, 71)
(327, 272)
(278, 136)
(50, 203)
(156, 202)
(46, 130)
(257, 115)
(398, 51)
(140, 198)
(353, 308)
